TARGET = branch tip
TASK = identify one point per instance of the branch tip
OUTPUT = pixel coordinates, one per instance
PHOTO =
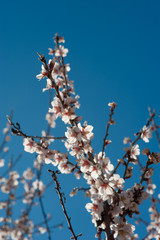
(9, 120)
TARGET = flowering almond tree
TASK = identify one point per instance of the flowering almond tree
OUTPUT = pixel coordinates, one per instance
(114, 208)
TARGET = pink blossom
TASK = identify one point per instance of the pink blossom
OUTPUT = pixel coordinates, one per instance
(68, 114)
(146, 133)
(5, 130)
(113, 105)
(126, 140)
(61, 51)
(105, 189)
(51, 119)
(1, 162)
(85, 165)
(122, 229)
(76, 149)
(43, 73)
(86, 131)
(117, 181)
(6, 149)
(57, 108)
(56, 70)
(42, 230)
(95, 171)
(49, 85)
(38, 185)
(95, 208)
(150, 188)
(73, 134)
(133, 150)
(78, 174)
(51, 51)
(74, 192)
(125, 199)
(65, 168)
(29, 145)
(28, 174)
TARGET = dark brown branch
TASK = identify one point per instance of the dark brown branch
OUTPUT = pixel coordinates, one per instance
(126, 167)
(107, 130)
(83, 189)
(107, 220)
(62, 202)
(19, 132)
(146, 169)
(155, 127)
(138, 137)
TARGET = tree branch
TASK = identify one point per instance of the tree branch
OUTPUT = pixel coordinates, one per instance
(62, 202)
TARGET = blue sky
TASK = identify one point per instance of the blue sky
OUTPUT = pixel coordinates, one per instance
(114, 53)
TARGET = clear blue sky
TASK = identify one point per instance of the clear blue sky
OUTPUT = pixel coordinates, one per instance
(114, 53)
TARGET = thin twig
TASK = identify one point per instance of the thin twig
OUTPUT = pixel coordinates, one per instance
(146, 169)
(107, 130)
(141, 220)
(155, 127)
(17, 131)
(62, 202)
(133, 143)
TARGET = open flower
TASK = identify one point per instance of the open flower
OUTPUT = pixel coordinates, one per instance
(29, 145)
(133, 151)
(61, 51)
(43, 73)
(146, 133)
(86, 131)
